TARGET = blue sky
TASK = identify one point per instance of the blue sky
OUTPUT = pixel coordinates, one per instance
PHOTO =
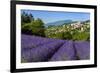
(52, 16)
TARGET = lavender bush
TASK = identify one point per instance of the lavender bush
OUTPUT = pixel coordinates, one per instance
(33, 41)
(83, 49)
(43, 52)
(65, 52)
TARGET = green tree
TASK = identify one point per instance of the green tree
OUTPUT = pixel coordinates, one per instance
(26, 18)
(67, 35)
(81, 36)
(36, 27)
(26, 29)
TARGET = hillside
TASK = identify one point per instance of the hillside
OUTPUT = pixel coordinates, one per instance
(73, 31)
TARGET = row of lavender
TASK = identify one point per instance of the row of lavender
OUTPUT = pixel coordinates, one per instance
(39, 49)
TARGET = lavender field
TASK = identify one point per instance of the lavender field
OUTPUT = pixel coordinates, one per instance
(42, 49)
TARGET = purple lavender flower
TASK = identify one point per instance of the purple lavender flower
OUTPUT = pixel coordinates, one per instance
(65, 52)
(83, 49)
(43, 52)
(28, 41)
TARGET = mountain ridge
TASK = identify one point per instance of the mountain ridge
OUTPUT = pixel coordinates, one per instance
(60, 22)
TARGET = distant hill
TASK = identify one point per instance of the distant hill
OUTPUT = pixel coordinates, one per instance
(56, 23)
(87, 21)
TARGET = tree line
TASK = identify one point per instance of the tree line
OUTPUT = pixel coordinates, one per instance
(32, 26)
